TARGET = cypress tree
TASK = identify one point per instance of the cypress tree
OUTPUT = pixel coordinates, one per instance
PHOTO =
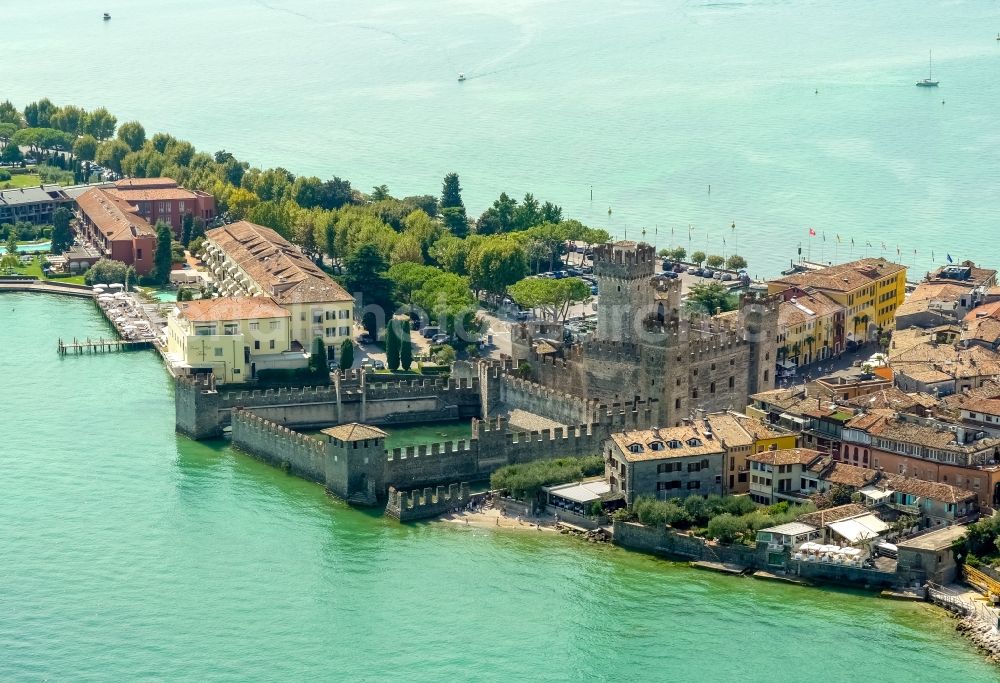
(163, 258)
(392, 344)
(346, 354)
(405, 347)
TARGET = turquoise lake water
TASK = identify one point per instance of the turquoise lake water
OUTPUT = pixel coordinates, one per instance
(129, 552)
(648, 102)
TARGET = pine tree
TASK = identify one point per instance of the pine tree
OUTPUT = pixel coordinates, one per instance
(392, 334)
(405, 347)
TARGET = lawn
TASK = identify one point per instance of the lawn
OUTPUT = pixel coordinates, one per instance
(24, 180)
(35, 269)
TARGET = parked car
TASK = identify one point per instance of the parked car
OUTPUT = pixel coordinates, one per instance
(707, 272)
(440, 339)
(667, 265)
(680, 268)
(670, 275)
(364, 338)
(593, 290)
(587, 269)
(727, 276)
(430, 331)
(694, 270)
(379, 365)
(522, 315)
(367, 364)
(717, 275)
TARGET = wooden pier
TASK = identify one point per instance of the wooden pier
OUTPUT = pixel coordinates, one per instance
(102, 346)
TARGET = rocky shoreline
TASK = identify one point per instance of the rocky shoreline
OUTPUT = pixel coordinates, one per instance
(985, 636)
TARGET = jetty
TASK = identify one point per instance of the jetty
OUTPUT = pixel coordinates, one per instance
(102, 345)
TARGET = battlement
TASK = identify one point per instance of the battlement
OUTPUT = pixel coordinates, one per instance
(205, 382)
(624, 260)
(442, 448)
(761, 302)
(246, 422)
(429, 502)
(292, 394)
(421, 387)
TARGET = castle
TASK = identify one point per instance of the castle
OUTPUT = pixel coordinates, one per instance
(647, 365)
(646, 347)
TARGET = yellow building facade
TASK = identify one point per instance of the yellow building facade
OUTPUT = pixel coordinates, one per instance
(252, 260)
(232, 337)
(869, 290)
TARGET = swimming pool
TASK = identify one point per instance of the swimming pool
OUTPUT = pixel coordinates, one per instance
(26, 248)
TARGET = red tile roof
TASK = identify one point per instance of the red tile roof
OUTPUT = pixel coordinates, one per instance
(114, 218)
(276, 265)
(231, 308)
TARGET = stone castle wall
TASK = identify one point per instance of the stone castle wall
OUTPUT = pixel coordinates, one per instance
(203, 411)
(417, 504)
(280, 446)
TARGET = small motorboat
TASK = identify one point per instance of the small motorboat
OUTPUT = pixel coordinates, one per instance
(461, 77)
(107, 17)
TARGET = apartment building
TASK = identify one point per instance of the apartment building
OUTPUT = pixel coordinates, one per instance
(252, 260)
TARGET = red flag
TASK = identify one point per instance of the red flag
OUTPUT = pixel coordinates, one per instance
(812, 233)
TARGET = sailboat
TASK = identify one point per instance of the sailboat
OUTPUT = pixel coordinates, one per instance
(928, 82)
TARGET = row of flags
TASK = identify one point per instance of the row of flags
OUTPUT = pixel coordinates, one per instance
(812, 233)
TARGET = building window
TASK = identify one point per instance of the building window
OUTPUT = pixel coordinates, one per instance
(254, 326)
(345, 331)
(231, 328)
(711, 388)
(271, 344)
(274, 324)
(256, 344)
(677, 404)
(344, 314)
(732, 382)
(218, 352)
(138, 254)
(694, 485)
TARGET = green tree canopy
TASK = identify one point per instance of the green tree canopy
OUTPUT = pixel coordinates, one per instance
(111, 153)
(163, 258)
(407, 278)
(68, 119)
(709, 297)
(698, 257)
(62, 236)
(317, 358)
(10, 114)
(346, 361)
(38, 114)
(392, 343)
(106, 272)
(366, 276)
(132, 134)
(446, 299)
(99, 123)
(495, 263)
(405, 346)
(736, 262)
(85, 147)
(552, 297)
(715, 261)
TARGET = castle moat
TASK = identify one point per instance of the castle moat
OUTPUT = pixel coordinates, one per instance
(132, 551)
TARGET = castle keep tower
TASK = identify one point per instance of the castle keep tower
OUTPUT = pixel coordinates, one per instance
(623, 271)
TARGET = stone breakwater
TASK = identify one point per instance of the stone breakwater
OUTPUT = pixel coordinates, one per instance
(983, 635)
